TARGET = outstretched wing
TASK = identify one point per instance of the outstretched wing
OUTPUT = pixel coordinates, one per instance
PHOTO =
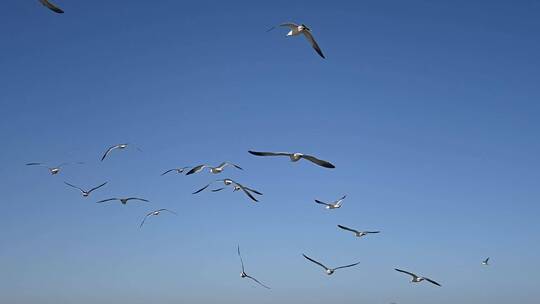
(409, 273)
(348, 229)
(371, 231)
(431, 281)
(241, 260)
(108, 200)
(144, 219)
(51, 6)
(347, 266)
(312, 260)
(253, 190)
(317, 161)
(108, 151)
(170, 211)
(314, 44)
(168, 171)
(322, 203)
(289, 25)
(95, 188)
(269, 153)
(196, 169)
(247, 276)
(73, 186)
(201, 189)
(137, 199)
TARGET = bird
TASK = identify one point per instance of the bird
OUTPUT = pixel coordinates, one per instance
(485, 262)
(236, 187)
(53, 170)
(296, 29)
(178, 170)
(356, 232)
(296, 157)
(118, 146)
(334, 205)
(329, 271)
(123, 200)
(416, 278)
(155, 213)
(243, 274)
(51, 6)
(214, 170)
(84, 192)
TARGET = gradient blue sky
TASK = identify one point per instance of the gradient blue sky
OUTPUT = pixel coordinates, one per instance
(429, 110)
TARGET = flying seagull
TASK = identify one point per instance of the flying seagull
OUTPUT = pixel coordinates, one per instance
(329, 271)
(177, 170)
(118, 146)
(296, 157)
(356, 232)
(123, 200)
(84, 192)
(296, 29)
(53, 170)
(417, 279)
(51, 6)
(334, 205)
(485, 262)
(155, 213)
(243, 274)
(236, 187)
(214, 170)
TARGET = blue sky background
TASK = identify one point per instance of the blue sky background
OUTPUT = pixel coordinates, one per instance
(428, 109)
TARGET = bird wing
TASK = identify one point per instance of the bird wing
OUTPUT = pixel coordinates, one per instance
(348, 229)
(218, 189)
(196, 169)
(289, 25)
(170, 170)
(136, 199)
(486, 261)
(170, 211)
(241, 260)
(312, 260)
(371, 231)
(73, 186)
(322, 203)
(317, 161)
(201, 189)
(340, 201)
(346, 266)
(409, 273)
(51, 6)
(246, 192)
(35, 164)
(230, 164)
(108, 200)
(314, 44)
(253, 190)
(270, 153)
(431, 281)
(247, 276)
(95, 188)
(144, 219)
(109, 151)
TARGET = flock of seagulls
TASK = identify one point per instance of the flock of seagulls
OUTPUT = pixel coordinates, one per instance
(295, 30)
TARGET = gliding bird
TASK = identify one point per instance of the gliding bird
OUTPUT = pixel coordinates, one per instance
(84, 192)
(178, 170)
(296, 157)
(334, 205)
(237, 186)
(155, 213)
(51, 6)
(214, 170)
(485, 262)
(111, 148)
(53, 170)
(417, 279)
(356, 232)
(296, 29)
(329, 271)
(243, 274)
(123, 200)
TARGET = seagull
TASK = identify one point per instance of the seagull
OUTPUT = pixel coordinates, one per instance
(118, 146)
(53, 170)
(214, 170)
(237, 186)
(302, 29)
(334, 205)
(51, 6)
(84, 192)
(417, 279)
(243, 274)
(123, 200)
(155, 213)
(356, 232)
(296, 157)
(178, 170)
(485, 262)
(329, 271)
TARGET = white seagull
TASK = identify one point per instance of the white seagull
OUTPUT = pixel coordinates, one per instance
(243, 274)
(236, 187)
(334, 205)
(356, 232)
(177, 170)
(155, 213)
(329, 271)
(53, 170)
(296, 157)
(485, 262)
(51, 6)
(111, 148)
(123, 200)
(84, 192)
(416, 278)
(302, 29)
(214, 170)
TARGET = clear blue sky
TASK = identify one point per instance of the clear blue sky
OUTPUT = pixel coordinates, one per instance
(428, 109)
